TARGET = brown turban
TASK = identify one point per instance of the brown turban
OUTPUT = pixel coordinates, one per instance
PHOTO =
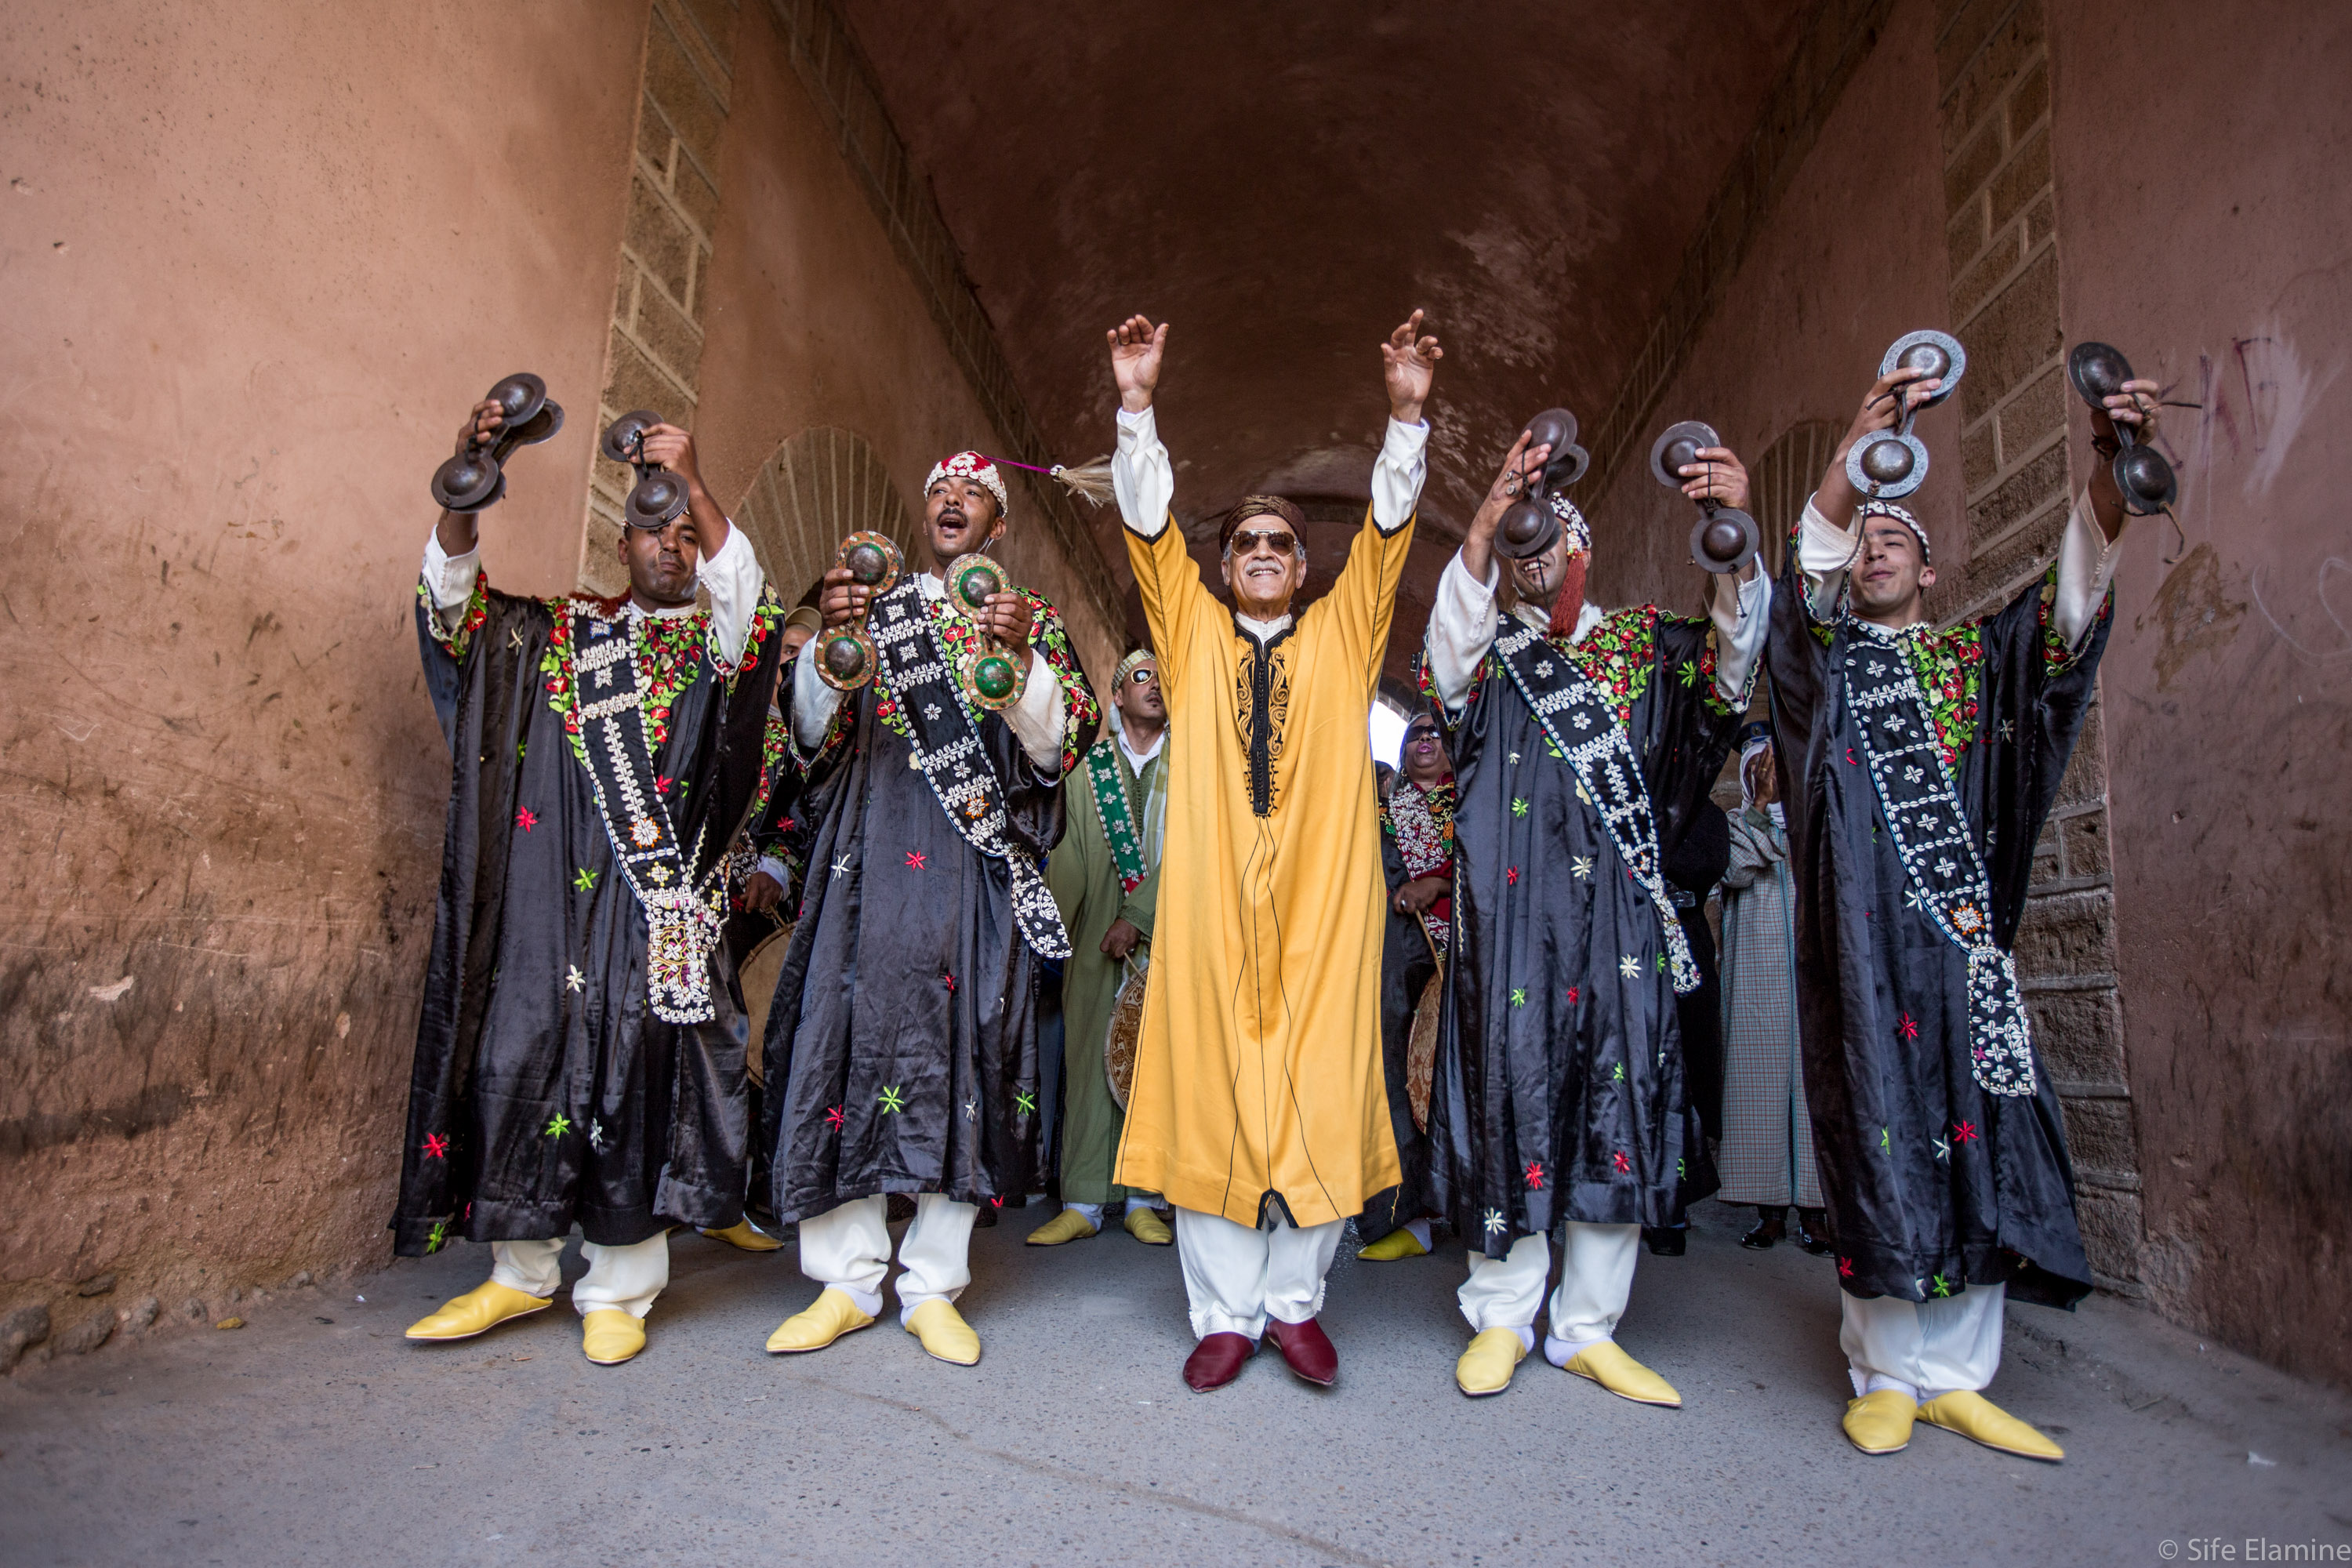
(1260, 506)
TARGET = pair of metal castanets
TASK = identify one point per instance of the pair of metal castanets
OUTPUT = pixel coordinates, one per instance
(991, 674)
(659, 496)
(1725, 539)
(476, 477)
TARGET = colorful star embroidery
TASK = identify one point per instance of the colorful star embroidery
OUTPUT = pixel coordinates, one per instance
(1883, 1141)
(1493, 1222)
(1943, 1149)
(1940, 1286)
(1518, 996)
(661, 783)
(996, 1202)
(1535, 1173)
(1964, 1132)
(558, 1125)
(914, 859)
(1617, 1072)
(435, 1146)
(1583, 866)
(1026, 1101)
(947, 981)
(834, 1117)
(972, 1111)
(525, 818)
(574, 979)
(1689, 671)
(1845, 1268)
(519, 749)
(582, 880)
(436, 1236)
(1849, 756)
(1629, 967)
(1908, 1028)
(1679, 1171)
(1515, 759)
(894, 1100)
(1573, 993)
(1623, 1161)
(596, 1135)
(1510, 876)
(1662, 963)
(840, 867)
(1518, 806)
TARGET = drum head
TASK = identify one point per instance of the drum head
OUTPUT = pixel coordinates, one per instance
(1126, 1029)
(1421, 1054)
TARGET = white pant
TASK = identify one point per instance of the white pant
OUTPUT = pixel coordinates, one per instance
(1595, 1277)
(1236, 1276)
(1923, 1348)
(848, 1248)
(624, 1278)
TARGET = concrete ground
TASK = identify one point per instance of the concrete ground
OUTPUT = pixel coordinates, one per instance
(316, 1435)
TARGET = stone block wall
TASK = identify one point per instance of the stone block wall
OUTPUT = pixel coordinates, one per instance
(1992, 61)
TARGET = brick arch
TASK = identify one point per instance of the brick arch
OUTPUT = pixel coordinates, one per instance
(817, 486)
(1784, 477)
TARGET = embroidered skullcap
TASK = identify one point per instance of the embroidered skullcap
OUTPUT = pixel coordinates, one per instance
(971, 466)
(1572, 523)
(1871, 508)
(1755, 734)
(1133, 662)
(1260, 506)
(806, 617)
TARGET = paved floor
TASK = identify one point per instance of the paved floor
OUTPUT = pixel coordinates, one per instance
(315, 1434)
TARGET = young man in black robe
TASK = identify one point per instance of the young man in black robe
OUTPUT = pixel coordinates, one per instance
(1917, 764)
(1581, 741)
(580, 1056)
(1417, 814)
(902, 1047)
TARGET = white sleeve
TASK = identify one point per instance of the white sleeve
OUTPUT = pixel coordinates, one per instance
(449, 579)
(1037, 718)
(1461, 625)
(2087, 565)
(1140, 474)
(1742, 612)
(1397, 476)
(813, 701)
(1824, 552)
(777, 870)
(734, 580)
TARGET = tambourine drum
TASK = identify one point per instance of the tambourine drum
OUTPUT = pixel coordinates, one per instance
(1939, 354)
(1126, 1029)
(1421, 1054)
(757, 974)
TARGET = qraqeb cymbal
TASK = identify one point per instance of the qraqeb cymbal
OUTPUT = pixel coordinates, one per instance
(475, 477)
(1529, 526)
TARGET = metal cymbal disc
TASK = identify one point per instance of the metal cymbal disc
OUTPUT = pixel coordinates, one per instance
(845, 658)
(1566, 466)
(2146, 480)
(1887, 464)
(656, 500)
(1726, 540)
(466, 482)
(619, 441)
(1677, 446)
(1527, 528)
(991, 676)
(873, 560)
(971, 578)
(2097, 372)
(518, 397)
(1939, 353)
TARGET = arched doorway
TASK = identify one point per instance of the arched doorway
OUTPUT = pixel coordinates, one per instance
(815, 488)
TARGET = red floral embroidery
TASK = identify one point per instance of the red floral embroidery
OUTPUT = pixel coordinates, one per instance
(1624, 1163)
(834, 1117)
(525, 819)
(436, 1147)
(1908, 1028)
(1573, 993)
(477, 610)
(1511, 876)
(1845, 1268)
(914, 861)
(1965, 1132)
(1535, 1175)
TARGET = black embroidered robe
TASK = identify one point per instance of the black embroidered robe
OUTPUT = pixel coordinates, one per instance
(1416, 840)
(901, 1049)
(545, 1091)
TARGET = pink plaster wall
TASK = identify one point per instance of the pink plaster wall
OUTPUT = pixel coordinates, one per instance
(259, 260)
(2203, 228)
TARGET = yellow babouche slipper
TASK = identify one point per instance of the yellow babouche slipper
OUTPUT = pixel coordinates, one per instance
(1397, 1242)
(1146, 1225)
(1621, 1376)
(1974, 1417)
(1068, 1225)
(1880, 1423)
(944, 1332)
(1486, 1366)
(818, 1324)
(479, 1309)
(608, 1336)
(745, 1235)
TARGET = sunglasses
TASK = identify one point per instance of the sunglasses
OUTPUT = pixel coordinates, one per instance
(1250, 540)
(1141, 676)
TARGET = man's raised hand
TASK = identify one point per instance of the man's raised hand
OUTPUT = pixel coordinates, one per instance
(481, 426)
(1521, 474)
(844, 597)
(673, 449)
(1408, 365)
(1136, 346)
(1718, 476)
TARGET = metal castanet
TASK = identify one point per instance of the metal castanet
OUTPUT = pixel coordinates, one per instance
(1725, 538)
(846, 655)
(476, 477)
(659, 496)
(991, 675)
(1891, 463)
(1529, 527)
(2146, 480)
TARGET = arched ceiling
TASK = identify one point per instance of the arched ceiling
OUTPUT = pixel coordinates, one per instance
(1284, 182)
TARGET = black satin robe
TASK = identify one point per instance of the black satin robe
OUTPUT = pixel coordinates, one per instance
(1406, 965)
(1933, 1184)
(536, 1102)
(1559, 1092)
(902, 1047)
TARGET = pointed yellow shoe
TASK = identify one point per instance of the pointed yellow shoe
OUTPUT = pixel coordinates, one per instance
(944, 1332)
(1880, 1423)
(745, 1235)
(1397, 1242)
(1486, 1366)
(1148, 1227)
(1974, 1417)
(817, 1325)
(1621, 1376)
(479, 1309)
(1068, 1225)
(609, 1336)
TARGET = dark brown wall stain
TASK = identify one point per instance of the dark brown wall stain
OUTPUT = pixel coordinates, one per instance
(2190, 613)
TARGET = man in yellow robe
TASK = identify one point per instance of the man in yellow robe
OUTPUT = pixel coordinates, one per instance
(1259, 1106)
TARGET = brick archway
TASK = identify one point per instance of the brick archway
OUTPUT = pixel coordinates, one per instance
(817, 486)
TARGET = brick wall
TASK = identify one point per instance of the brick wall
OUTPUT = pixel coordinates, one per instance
(1993, 63)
